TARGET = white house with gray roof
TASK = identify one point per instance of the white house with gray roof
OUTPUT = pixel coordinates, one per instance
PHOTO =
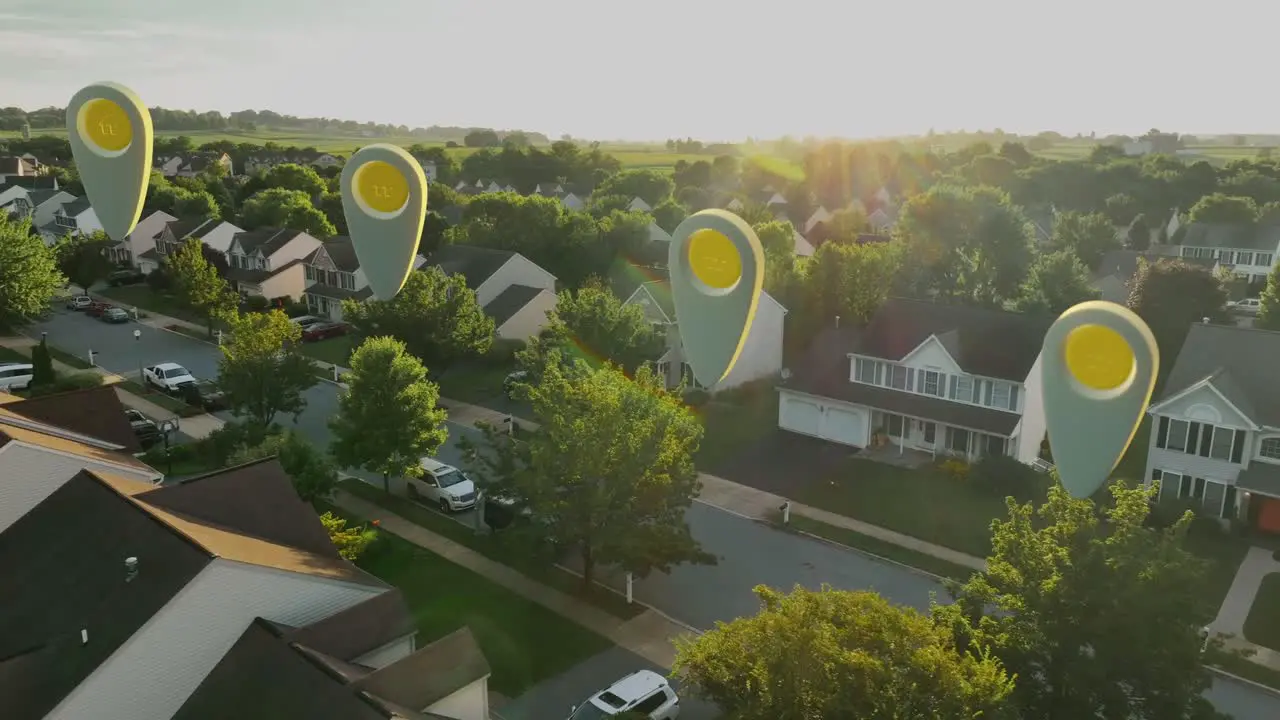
(517, 293)
(75, 217)
(1215, 428)
(1248, 251)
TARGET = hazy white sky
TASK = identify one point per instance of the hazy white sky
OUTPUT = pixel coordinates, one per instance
(711, 69)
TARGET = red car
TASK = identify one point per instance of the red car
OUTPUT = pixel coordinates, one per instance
(96, 308)
(324, 331)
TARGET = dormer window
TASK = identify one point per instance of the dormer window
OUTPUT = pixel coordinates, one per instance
(1270, 448)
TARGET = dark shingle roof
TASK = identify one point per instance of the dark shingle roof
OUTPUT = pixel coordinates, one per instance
(992, 343)
(12, 165)
(77, 206)
(1264, 238)
(430, 674)
(33, 181)
(476, 264)
(359, 629)
(183, 227)
(64, 572)
(1240, 363)
(267, 239)
(509, 302)
(39, 197)
(96, 412)
(341, 252)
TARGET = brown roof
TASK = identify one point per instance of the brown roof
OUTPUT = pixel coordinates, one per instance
(256, 499)
(96, 412)
(430, 674)
(47, 438)
(359, 629)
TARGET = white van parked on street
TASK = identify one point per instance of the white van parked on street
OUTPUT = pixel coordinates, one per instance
(15, 376)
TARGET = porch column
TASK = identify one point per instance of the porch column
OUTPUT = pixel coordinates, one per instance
(902, 439)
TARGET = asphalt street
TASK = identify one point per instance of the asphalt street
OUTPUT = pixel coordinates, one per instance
(749, 553)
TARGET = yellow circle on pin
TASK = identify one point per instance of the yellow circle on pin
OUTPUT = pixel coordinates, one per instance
(382, 187)
(105, 125)
(1099, 357)
(714, 260)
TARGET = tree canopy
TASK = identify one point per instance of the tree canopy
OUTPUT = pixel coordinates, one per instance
(1055, 282)
(29, 275)
(83, 259)
(595, 319)
(1170, 295)
(261, 371)
(197, 283)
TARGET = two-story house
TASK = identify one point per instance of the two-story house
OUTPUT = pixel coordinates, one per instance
(1248, 251)
(270, 262)
(72, 218)
(168, 239)
(13, 166)
(761, 355)
(512, 289)
(192, 164)
(325, 160)
(333, 274)
(141, 239)
(927, 377)
(1215, 428)
(16, 201)
(1116, 270)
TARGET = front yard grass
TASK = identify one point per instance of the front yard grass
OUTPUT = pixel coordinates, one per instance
(1262, 626)
(474, 383)
(524, 642)
(736, 421)
(880, 548)
(144, 298)
(8, 354)
(335, 351)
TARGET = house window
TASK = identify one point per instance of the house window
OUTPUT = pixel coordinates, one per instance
(1227, 257)
(1270, 448)
(894, 425)
(865, 371)
(1177, 436)
(1222, 443)
(932, 382)
(348, 281)
(999, 395)
(958, 440)
(961, 388)
(1244, 258)
(898, 378)
(309, 272)
(930, 432)
(1013, 397)
(1197, 488)
(1188, 252)
(994, 445)
(1263, 259)
(1169, 481)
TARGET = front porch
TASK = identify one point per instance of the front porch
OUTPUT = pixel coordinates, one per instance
(917, 441)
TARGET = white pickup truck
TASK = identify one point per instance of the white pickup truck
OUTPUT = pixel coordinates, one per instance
(166, 376)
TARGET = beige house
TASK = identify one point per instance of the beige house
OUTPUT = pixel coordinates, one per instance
(514, 291)
(141, 240)
(168, 239)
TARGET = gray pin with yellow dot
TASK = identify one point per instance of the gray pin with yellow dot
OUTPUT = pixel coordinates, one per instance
(384, 199)
(110, 134)
(717, 270)
(1099, 365)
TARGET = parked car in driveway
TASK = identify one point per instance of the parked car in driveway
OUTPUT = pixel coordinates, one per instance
(144, 428)
(97, 308)
(203, 394)
(324, 330)
(79, 302)
(125, 277)
(643, 693)
(15, 376)
(166, 376)
(115, 315)
(1249, 306)
(306, 321)
(444, 486)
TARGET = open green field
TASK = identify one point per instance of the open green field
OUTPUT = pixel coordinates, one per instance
(1213, 154)
(631, 155)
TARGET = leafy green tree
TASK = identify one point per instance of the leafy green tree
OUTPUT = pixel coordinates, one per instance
(387, 418)
(198, 284)
(596, 320)
(261, 371)
(278, 207)
(669, 215)
(649, 185)
(1089, 236)
(1138, 236)
(1269, 313)
(849, 281)
(350, 541)
(1220, 208)
(1096, 614)
(435, 315)
(42, 372)
(840, 654)
(312, 471)
(612, 463)
(1056, 282)
(1170, 295)
(83, 259)
(290, 176)
(1121, 209)
(29, 275)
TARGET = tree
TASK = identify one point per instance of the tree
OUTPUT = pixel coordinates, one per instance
(1170, 295)
(1089, 236)
(29, 275)
(1138, 237)
(42, 372)
(83, 259)
(312, 471)
(1269, 313)
(669, 214)
(350, 541)
(612, 463)
(1093, 612)
(596, 320)
(840, 654)
(277, 207)
(261, 371)
(198, 284)
(1056, 282)
(387, 418)
(435, 315)
(649, 185)
(1121, 208)
(849, 281)
(290, 176)
(1220, 208)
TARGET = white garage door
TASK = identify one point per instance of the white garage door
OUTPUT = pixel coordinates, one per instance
(800, 416)
(845, 426)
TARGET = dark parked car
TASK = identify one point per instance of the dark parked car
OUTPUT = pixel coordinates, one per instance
(145, 429)
(97, 308)
(202, 394)
(115, 315)
(324, 331)
(125, 277)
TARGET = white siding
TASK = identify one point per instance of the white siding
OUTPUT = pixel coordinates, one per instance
(930, 355)
(290, 281)
(219, 238)
(31, 474)
(143, 237)
(387, 654)
(87, 222)
(519, 270)
(824, 418)
(530, 319)
(761, 355)
(153, 673)
(469, 703)
(1033, 425)
(1204, 404)
(44, 211)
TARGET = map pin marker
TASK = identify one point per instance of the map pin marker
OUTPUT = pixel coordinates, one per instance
(1099, 368)
(110, 133)
(384, 198)
(717, 269)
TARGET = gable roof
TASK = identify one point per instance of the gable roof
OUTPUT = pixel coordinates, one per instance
(41, 196)
(509, 302)
(991, 343)
(341, 251)
(64, 573)
(74, 207)
(43, 182)
(268, 240)
(360, 629)
(96, 412)
(1238, 362)
(15, 427)
(476, 264)
(184, 227)
(431, 674)
(1261, 237)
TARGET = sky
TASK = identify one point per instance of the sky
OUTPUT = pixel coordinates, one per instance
(715, 70)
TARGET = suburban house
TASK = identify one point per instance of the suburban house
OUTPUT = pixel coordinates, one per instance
(225, 593)
(333, 274)
(1248, 251)
(1215, 428)
(142, 239)
(638, 204)
(11, 167)
(45, 204)
(572, 202)
(514, 291)
(927, 377)
(75, 217)
(22, 201)
(430, 171)
(761, 355)
(192, 164)
(170, 237)
(1118, 267)
(219, 237)
(325, 160)
(270, 262)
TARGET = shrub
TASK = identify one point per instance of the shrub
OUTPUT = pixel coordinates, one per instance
(256, 303)
(350, 541)
(75, 381)
(502, 353)
(955, 468)
(222, 443)
(1003, 476)
(697, 397)
(160, 280)
(42, 373)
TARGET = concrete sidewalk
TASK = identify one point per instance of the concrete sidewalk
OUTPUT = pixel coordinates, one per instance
(648, 635)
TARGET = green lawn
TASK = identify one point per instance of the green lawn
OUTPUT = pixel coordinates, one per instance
(67, 358)
(495, 548)
(473, 383)
(878, 547)
(524, 642)
(144, 298)
(1262, 627)
(335, 351)
(8, 354)
(735, 423)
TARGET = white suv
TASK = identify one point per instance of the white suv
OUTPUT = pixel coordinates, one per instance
(643, 692)
(15, 376)
(444, 486)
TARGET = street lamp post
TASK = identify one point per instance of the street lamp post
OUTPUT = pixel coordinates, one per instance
(137, 337)
(167, 428)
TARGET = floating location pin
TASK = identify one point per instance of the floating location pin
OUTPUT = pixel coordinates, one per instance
(110, 133)
(384, 197)
(717, 268)
(1099, 368)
